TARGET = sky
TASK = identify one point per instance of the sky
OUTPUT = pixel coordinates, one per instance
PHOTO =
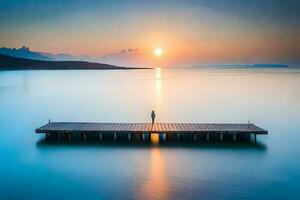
(188, 32)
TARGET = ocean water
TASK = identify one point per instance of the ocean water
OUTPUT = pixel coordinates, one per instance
(31, 168)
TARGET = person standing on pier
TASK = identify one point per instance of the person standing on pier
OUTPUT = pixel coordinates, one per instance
(153, 116)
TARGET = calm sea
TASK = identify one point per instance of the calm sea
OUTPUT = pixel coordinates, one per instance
(31, 168)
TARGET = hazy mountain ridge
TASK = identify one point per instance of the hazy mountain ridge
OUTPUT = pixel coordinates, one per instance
(125, 57)
(67, 57)
(13, 63)
(23, 52)
(131, 57)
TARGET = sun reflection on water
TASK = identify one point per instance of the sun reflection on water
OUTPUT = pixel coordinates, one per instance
(158, 84)
(156, 185)
(158, 73)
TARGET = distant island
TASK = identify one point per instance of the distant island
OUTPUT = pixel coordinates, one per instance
(13, 63)
(263, 65)
(268, 65)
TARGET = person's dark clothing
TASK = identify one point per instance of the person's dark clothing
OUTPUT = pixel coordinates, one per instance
(153, 116)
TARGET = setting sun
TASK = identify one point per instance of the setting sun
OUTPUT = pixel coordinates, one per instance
(158, 52)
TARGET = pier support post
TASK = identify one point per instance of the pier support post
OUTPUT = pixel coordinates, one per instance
(234, 137)
(65, 136)
(178, 136)
(84, 136)
(47, 136)
(115, 136)
(100, 136)
(207, 136)
(70, 136)
(129, 137)
(164, 137)
(255, 138)
(195, 137)
(221, 137)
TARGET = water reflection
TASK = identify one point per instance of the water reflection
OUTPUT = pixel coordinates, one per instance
(158, 84)
(156, 185)
(241, 146)
(154, 137)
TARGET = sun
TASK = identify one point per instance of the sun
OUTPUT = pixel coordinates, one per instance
(158, 52)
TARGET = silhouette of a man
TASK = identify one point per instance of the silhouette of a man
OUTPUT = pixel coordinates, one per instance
(153, 116)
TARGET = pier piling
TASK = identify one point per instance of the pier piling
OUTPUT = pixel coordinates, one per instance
(142, 131)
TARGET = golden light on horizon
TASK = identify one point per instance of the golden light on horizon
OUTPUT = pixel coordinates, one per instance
(158, 52)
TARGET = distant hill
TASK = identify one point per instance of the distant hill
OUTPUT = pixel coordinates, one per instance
(23, 52)
(268, 65)
(126, 57)
(67, 57)
(131, 57)
(241, 65)
(13, 63)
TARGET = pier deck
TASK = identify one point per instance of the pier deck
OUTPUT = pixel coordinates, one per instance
(141, 129)
(61, 127)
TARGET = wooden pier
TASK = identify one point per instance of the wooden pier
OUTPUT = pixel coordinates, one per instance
(143, 131)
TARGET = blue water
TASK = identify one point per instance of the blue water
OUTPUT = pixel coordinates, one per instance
(31, 168)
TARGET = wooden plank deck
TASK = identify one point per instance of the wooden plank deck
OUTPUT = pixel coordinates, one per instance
(85, 127)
